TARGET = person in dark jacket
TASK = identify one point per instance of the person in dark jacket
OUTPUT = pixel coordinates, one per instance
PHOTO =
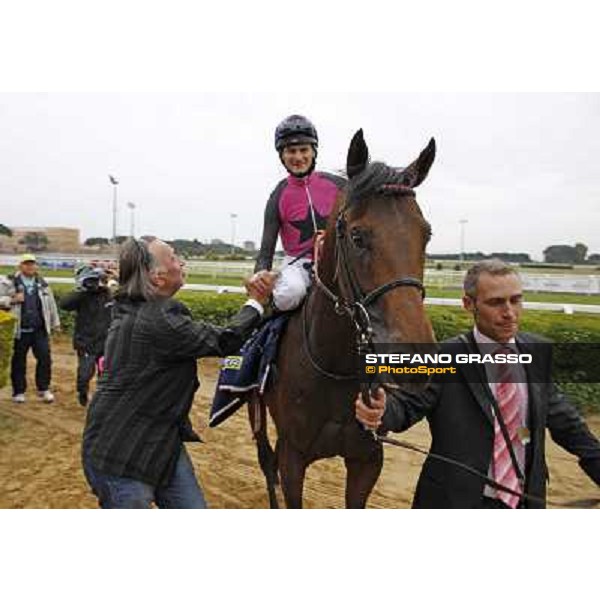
(92, 301)
(495, 424)
(138, 420)
(34, 308)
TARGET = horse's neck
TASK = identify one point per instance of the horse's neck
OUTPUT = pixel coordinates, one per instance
(330, 333)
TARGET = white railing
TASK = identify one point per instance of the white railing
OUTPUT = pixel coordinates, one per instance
(532, 282)
(568, 309)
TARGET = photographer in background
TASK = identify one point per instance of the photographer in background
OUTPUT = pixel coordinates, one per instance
(92, 300)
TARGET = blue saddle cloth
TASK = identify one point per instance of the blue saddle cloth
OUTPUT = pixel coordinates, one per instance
(247, 371)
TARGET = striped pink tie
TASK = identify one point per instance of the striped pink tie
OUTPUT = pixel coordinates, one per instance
(510, 399)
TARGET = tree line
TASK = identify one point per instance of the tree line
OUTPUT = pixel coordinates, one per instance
(185, 248)
(577, 254)
(556, 254)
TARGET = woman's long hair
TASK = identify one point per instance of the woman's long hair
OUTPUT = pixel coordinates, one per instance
(136, 265)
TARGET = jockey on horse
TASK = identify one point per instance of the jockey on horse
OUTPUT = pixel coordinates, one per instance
(298, 207)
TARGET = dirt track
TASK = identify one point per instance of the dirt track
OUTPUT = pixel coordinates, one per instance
(40, 465)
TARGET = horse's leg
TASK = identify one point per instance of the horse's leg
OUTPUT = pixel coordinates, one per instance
(267, 459)
(292, 468)
(361, 477)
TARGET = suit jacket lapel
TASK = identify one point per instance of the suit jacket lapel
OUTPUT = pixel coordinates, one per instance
(476, 379)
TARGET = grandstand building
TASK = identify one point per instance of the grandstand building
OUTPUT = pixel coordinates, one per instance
(55, 239)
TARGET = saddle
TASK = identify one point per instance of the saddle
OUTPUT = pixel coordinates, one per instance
(247, 371)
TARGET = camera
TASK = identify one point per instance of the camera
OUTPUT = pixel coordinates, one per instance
(90, 284)
(90, 279)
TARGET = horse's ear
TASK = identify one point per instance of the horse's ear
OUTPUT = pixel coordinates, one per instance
(358, 155)
(416, 172)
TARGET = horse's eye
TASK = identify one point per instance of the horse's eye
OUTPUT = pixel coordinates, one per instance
(358, 238)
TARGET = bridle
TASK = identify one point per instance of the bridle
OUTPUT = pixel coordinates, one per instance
(356, 306)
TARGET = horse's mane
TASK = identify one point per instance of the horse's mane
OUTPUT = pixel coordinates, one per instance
(372, 180)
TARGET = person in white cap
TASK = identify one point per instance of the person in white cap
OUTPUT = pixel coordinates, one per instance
(33, 305)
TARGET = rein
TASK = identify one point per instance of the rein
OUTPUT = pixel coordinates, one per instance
(586, 502)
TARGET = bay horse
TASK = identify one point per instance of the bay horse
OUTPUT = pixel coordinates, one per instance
(370, 268)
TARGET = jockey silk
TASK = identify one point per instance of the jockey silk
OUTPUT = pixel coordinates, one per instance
(288, 214)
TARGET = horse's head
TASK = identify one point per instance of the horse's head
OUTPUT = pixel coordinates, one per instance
(380, 239)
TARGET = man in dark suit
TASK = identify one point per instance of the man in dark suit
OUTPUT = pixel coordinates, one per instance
(492, 422)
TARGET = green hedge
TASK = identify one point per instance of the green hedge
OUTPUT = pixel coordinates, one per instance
(7, 329)
(215, 308)
(579, 331)
(447, 322)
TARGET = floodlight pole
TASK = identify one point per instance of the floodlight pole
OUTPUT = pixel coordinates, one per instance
(131, 207)
(114, 183)
(462, 222)
(233, 218)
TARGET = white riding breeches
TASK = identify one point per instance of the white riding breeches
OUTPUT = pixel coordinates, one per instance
(292, 283)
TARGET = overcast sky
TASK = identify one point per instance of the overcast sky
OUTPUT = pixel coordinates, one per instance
(522, 168)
